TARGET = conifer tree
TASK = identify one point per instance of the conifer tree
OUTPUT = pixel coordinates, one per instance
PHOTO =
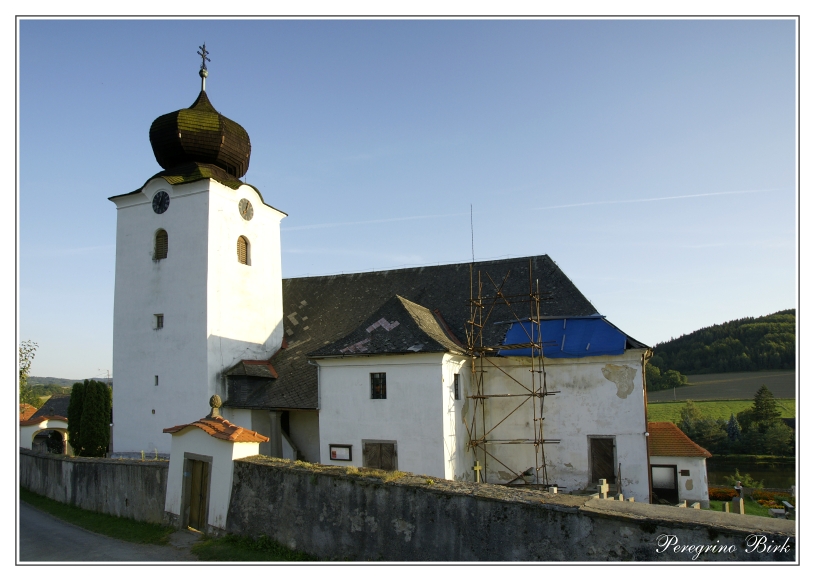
(89, 418)
(75, 416)
(733, 428)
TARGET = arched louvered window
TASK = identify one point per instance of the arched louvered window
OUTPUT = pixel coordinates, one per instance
(243, 250)
(161, 245)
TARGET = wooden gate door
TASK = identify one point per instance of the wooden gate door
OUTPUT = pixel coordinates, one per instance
(199, 495)
(380, 455)
(602, 460)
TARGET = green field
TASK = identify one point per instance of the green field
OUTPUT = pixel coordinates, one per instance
(741, 385)
(720, 409)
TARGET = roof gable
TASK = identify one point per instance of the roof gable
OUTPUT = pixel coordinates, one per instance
(666, 439)
(221, 429)
(398, 326)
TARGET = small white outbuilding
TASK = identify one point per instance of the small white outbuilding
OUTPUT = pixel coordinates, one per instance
(199, 482)
(678, 465)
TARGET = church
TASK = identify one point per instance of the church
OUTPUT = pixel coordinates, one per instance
(498, 371)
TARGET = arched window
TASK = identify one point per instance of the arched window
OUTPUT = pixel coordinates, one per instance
(243, 250)
(160, 250)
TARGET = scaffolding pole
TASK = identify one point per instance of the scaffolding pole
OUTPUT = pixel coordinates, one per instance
(486, 359)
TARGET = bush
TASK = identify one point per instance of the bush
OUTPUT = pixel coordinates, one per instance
(721, 493)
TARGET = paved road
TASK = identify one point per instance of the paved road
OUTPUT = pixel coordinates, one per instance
(45, 538)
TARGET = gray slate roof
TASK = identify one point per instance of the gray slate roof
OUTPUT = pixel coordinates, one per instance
(398, 326)
(56, 405)
(320, 312)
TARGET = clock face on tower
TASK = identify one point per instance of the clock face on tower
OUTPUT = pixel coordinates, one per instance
(245, 208)
(161, 201)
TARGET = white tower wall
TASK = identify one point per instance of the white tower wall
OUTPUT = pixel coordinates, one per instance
(216, 311)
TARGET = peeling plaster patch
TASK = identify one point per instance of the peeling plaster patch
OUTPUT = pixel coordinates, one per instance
(567, 465)
(626, 532)
(303, 303)
(404, 527)
(689, 484)
(416, 347)
(293, 318)
(371, 522)
(304, 319)
(306, 328)
(622, 376)
(289, 331)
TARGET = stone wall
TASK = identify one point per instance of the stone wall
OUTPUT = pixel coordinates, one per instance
(127, 488)
(336, 513)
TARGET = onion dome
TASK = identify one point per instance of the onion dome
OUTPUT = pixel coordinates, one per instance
(200, 136)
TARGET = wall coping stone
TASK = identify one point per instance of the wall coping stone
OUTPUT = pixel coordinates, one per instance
(79, 459)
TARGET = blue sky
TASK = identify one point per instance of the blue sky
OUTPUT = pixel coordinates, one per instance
(654, 161)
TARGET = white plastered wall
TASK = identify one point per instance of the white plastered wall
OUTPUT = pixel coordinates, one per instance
(411, 415)
(693, 488)
(195, 441)
(216, 311)
(457, 461)
(589, 404)
(244, 302)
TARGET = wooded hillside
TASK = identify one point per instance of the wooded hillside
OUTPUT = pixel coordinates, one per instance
(749, 344)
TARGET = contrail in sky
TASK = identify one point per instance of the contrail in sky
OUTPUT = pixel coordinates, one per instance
(404, 218)
(598, 203)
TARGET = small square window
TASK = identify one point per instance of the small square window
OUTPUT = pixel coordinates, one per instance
(156, 376)
(378, 388)
(684, 472)
(456, 386)
(158, 321)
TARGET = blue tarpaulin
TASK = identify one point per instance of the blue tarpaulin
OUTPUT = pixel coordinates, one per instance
(569, 337)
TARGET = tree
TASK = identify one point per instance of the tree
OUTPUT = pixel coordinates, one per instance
(94, 425)
(733, 429)
(75, 415)
(689, 417)
(27, 351)
(778, 440)
(765, 408)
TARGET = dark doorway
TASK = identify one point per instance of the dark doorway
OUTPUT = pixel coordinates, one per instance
(380, 455)
(197, 472)
(664, 484)
(602, 459)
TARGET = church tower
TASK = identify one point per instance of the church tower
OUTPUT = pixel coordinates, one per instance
(198, 275)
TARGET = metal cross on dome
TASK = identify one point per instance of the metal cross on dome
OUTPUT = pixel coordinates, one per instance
(203, 54)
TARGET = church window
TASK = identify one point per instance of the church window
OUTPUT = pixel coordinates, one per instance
(378, 388)
(243, 250)
(160, 250)
(158, 321)
(456, 386)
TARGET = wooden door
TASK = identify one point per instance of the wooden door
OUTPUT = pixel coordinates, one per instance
(199, 494)
(380, 455)
(602, 460)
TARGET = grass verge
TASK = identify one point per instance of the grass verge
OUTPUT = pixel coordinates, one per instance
(236, 548)
(715, 410)
(117, 527)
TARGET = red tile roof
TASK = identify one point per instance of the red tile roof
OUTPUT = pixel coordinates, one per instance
(221, 429)
(26, 411)
(665, 439)
(35, 421)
